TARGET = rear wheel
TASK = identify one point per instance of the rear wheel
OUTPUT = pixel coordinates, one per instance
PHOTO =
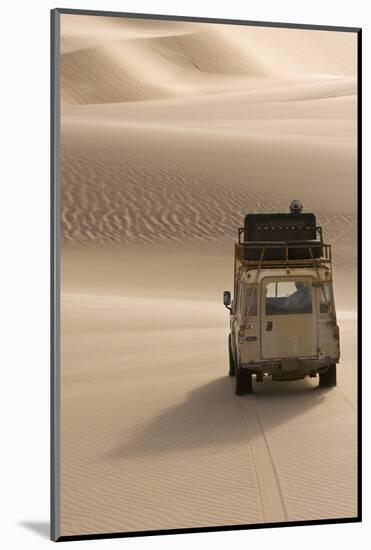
(328, 379)
(232, 367)
(243, 381)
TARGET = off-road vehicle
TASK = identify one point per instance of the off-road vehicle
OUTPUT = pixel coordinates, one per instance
(282, 316)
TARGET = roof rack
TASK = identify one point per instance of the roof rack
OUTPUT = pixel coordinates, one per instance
(242, 231)
(259, 254)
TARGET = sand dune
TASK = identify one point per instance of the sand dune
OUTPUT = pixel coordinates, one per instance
(234, 94)
(85, 73)
(149, 175)
(171, 133)
(110, 60)
(81, 32)
(151, 68)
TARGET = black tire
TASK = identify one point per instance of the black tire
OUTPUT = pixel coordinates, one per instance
(232, 367)
(243, 382)
(328, 379)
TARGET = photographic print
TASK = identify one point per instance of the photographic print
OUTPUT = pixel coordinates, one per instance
(204, 351)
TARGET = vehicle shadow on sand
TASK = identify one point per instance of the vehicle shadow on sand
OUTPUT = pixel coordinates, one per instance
(211, 415)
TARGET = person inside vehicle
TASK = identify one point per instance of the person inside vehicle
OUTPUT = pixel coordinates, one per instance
(301, 299)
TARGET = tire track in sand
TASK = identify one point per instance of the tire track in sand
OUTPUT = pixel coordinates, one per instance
(270, 493)
(302, 447)
(312, 436)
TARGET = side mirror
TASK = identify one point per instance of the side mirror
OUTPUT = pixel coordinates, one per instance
(227, 298)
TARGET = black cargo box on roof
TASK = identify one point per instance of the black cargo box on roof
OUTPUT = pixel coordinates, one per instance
(280, 227)
(297, 230)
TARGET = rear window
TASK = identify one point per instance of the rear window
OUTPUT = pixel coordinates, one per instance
(288, 297)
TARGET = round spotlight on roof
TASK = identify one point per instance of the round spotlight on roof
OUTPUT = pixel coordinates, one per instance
(296, 207)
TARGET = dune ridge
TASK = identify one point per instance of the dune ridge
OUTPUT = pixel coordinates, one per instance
(146, 62)
(152, 68)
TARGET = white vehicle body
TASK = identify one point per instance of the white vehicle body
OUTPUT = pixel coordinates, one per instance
(284, 343)
(282, 316)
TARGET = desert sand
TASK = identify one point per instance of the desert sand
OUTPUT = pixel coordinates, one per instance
(171, 133)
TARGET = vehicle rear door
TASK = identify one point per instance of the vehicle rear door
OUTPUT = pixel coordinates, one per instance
(288, 318)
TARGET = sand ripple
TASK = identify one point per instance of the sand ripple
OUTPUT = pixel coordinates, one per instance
(116, 196)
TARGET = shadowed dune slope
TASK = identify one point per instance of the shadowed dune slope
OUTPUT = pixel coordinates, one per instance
(96, 76)
(153, 68)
